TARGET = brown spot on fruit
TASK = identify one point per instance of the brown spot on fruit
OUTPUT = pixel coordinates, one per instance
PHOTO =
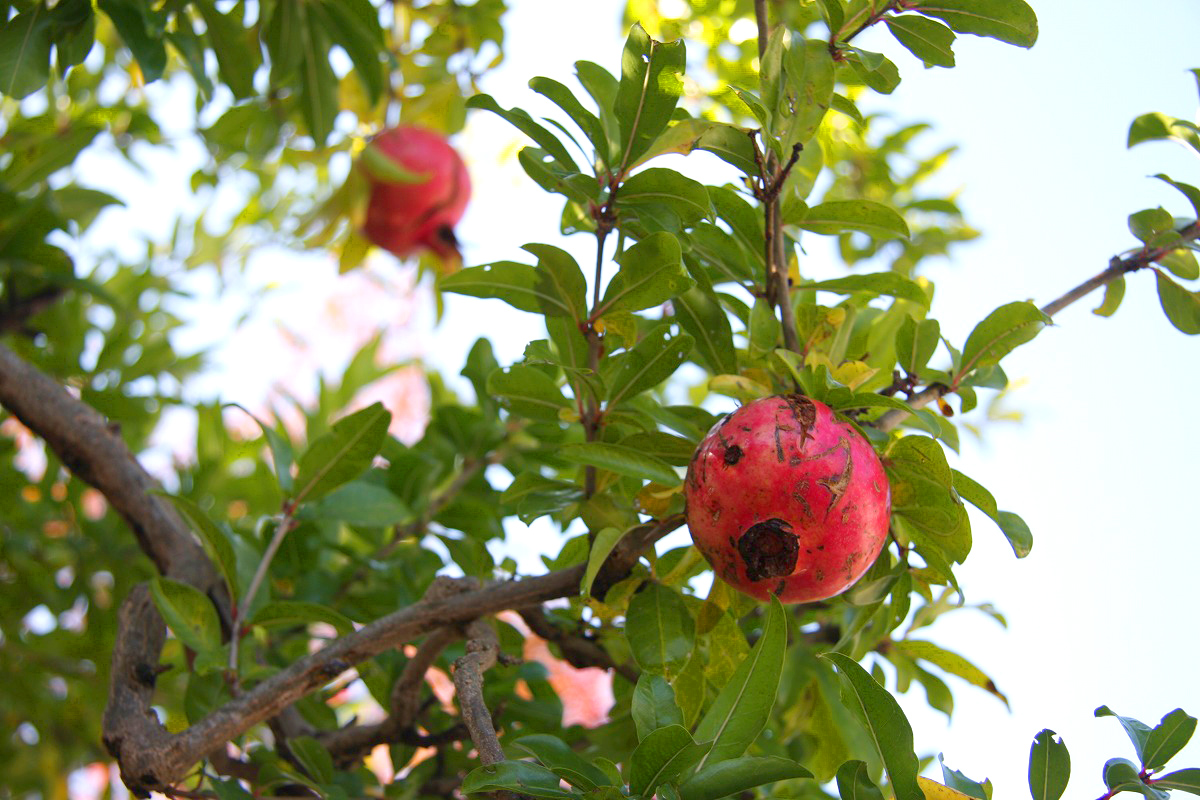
(733, 454)
(768, 549)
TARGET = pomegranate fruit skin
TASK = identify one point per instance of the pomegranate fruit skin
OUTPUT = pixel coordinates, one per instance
(404, 218)
(785, 499)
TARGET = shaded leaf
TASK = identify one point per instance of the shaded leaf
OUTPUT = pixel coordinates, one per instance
(699, 312)
(517, 776)
(25, 52)
(1184, 780)
(891, 284)
(216, 542)
(650, 86)
(926, 39)
(564, 762)
(621, 460)
(602, 545)
(1167, 739)
(735, 775)
(854, 782)
(1114, 293)
(1000, 332)
(343, 453)
(191, 617)
(660, 629)
(662, 757)
(950, 662)
(295, 612)
(1181, 306)
(653, 705)
(529, 392)
(867, 216)
(651, 274)
(1011, 21)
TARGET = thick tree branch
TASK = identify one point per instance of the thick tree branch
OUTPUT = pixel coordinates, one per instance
(91, 447)
(483, 650)
(152, 758)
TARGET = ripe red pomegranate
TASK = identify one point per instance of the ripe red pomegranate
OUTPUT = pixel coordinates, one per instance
(784, 499)
(405, 216)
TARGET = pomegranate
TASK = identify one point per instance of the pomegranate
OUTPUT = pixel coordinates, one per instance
(785, 499)
(416, 206)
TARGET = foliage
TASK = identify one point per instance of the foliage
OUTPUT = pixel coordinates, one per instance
(334, 531)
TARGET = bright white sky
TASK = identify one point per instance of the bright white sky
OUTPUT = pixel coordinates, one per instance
(1105, 610)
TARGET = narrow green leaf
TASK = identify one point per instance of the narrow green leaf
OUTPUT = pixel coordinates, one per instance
(1184, 780)
(807, 92)
(834, 13)
(651, 274)
(1137, 731)
(354, 25)
(653, 705)
(886, 724)
(867, 216)
(926, 39)
(874, 69)
(216, 542)
(1121, 775)
(741, 709)
(588, 122)
(236, 60)
(141, 29)
(564, 762)
(191, 617)
(25, 52)
(280, 445)
(686, 198)
(1114, 293)
(1011, 21)
(294, 612)
(892, 284)
(314, 757)
(916, 343)
(662, 757)
(602, 545)
(1189, 191)
(954, 779)
(733, 776)
(699, 312)
(651, 361)
(1167, 739)
(1182, 263)
(1149, 127)
(651, 84)
(369, 505)
(520, 119)
(950, 662)
(1181, 306)
(529, 392)
(854, 782)
(524, 777)
(1012, 526)
(660, 629)
(343, 453)
(559, 276)
(1020, 538)
(621, 460)
(1000, 332)
(318, 82)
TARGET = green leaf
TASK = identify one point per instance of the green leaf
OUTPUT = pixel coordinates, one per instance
(1182, 263)
(660, 630)
(651, 273)
(741, 709)
(529, 392)
(533, 495)
(1149, 127)
(294, 612)
(731, 144)
(621, 460)
(1189, 191)
(916, 343)
(651, 84)
(1121, 775)
(141, 29)
(1000, 332)
(885, 722)
(950, 662)
(892, 284)
(520, 119)
(602, 545)
(1137, 731)
(651, 361)
(1011, 21)
(867, 216)
(1020, 538)
(661, 757)
(1114, 293)
(236, 60)
(588, 122)
(1150, 223)
(699, 312)
(733, 776)
(318, 82)
(192, 618)
(25, 52)
(1167, 739)
(806, 94)
(561, 281)
(854, 782)
(653, 705)
(354, 25)
(517, 776)
(686, 198)
(1181, 306)
(563, 761)
(926, 39)
(921, 482)
(874, 69)
(515, 284)
(1184, 780)
(313, 756)
(360, 503)
(343, 453)
(834, 15)
(1049, 766)
(216, 542)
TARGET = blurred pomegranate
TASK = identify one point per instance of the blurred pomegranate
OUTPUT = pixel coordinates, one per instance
(784, 499)
(419, 191)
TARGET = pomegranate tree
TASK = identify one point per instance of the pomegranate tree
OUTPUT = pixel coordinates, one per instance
(419, 191)
(785, 499)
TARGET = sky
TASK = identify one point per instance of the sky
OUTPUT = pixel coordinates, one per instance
(1103, 467)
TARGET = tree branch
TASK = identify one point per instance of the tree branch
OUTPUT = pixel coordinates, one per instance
(152, 758)
(483, 650)
(91, 447)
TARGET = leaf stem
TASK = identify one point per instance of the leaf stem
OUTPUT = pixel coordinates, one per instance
(287, 523)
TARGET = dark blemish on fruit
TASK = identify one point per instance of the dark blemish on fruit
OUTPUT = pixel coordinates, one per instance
(768, 549)
(805, 414)
(779, 588)
(838, 484)
(820, 547)
(733, 454)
